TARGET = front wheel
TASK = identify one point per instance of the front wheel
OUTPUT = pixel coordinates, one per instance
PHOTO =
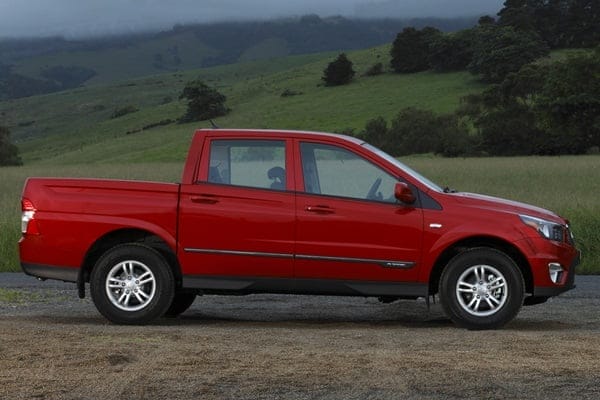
(132, 284)
(481, 288)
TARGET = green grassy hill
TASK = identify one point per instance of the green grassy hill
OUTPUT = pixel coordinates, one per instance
(76, 126)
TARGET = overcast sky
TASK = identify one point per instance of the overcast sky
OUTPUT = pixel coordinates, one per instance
(75, 18)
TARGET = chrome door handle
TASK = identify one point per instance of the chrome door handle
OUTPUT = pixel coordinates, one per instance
(320, 209)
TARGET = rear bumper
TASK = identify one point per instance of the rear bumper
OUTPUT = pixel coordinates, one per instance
(41, 271)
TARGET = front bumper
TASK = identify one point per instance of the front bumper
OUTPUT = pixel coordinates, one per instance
(567, 284)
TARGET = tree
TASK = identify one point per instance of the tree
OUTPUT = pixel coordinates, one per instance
(541, 109)
(410, 50)
(204, 102)
(486, 20)
(9, 153)
(338, 72)
(560, 23)
(568, 106)
(498, 51)
(451, 52)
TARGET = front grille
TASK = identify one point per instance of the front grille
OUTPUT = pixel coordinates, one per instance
(558, 233)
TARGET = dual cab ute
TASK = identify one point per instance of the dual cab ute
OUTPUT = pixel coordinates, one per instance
(292, 212)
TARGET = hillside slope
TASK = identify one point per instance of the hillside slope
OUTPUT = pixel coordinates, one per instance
(122, 57)
(76, 126)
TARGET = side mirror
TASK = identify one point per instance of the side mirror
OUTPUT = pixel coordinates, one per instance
(403, 193)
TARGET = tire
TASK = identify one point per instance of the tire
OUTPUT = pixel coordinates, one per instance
(181, 302)
(132, 284)
(481, 288)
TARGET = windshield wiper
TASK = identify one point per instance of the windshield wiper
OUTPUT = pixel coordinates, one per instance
(450, 190)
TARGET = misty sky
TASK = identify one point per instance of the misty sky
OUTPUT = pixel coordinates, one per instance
(75, 18)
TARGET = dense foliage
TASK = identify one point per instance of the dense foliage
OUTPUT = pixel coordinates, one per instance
(9, 153)
(560, 23)
(531, 108)
(411, 48)
(204, 102)
(338, 72)
(498, 51)
(541, 109)
(548, 108)
(419, 131)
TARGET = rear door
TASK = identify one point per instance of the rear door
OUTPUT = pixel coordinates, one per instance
(350, 226)
(237, 219)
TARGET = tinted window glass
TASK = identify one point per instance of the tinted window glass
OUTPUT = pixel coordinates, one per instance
(334, 171)
(254, 163)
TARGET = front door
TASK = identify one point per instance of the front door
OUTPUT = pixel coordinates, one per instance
(349, 224)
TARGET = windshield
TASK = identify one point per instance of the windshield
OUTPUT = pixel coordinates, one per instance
(403, 167)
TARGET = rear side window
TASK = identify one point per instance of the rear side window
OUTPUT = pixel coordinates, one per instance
(252, 163)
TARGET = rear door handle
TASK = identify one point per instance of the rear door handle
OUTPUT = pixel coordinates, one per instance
(205, 199)
(320, 209)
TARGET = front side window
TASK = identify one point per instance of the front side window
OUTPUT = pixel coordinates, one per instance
(252, 163)
(334, 171)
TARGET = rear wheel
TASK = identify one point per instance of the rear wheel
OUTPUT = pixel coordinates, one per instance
(481, 288)
(132, 284)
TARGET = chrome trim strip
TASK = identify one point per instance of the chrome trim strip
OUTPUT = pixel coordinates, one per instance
(239, 253)
(383, 263)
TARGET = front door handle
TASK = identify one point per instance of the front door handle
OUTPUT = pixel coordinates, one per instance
(205, 199)
(320, 209)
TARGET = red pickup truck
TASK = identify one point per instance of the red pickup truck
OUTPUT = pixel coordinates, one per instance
(292, 212)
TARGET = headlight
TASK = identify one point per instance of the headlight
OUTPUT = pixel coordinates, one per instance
(549, 230)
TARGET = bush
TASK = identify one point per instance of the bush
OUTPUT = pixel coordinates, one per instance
(376, 69)
(128, 109)
(420, 131)
(338, 72)
(204, 102)
(376, 132)
(290, 93)
(453, 138)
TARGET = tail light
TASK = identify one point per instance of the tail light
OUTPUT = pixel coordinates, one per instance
(28, 224)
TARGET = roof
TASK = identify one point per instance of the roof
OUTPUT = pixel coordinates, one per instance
(279, 132)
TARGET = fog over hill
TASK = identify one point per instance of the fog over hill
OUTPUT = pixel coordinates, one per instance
(74, 18)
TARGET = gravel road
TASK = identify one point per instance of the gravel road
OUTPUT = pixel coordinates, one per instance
(56, 346)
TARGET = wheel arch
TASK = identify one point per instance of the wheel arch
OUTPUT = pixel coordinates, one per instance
(480, 241)
(123, 236)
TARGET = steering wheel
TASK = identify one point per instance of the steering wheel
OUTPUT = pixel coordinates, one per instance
(373, 195)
